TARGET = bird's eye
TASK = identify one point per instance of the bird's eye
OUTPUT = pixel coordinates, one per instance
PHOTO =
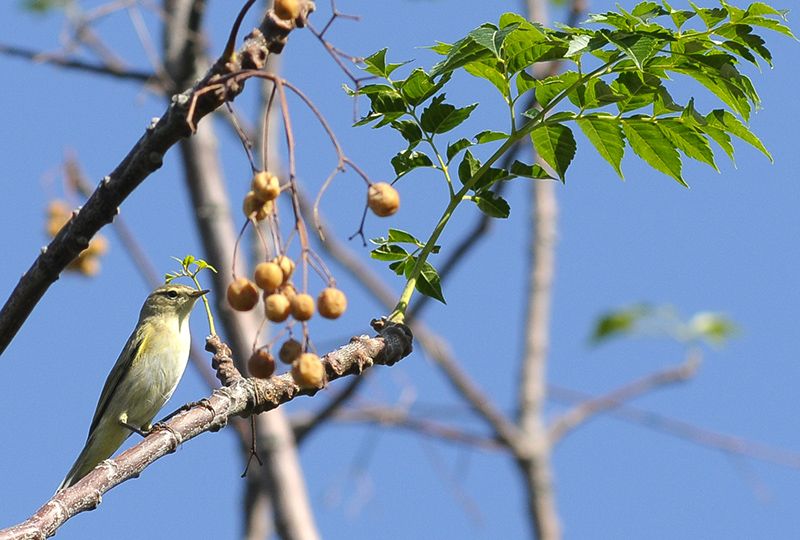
(172, 294)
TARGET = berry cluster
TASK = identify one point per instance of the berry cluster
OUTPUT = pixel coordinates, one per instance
(272, 282)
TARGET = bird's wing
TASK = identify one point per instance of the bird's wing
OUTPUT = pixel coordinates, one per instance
(121, 368)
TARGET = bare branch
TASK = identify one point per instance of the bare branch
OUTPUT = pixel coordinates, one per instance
(585, 411)
(393, 417)
(242, 398)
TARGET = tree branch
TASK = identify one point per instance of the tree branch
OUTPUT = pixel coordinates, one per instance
(112, 70)
(244, 397)
(143, 159)
(583, 412)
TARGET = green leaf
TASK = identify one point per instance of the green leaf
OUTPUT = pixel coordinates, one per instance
(441, 117)
(555, 145)
(724, 120)
(468, 167)
(650, 144)
(490, 136)
(647, 10)
(547, 89)
(492, 204)
(429, 283)
(527, 46)
(605, 133)
(688, 140)
(715, 328)
(534, 171)
(409, 130)
(637, 47)
(525, 82)
(490, 37)
(43, 6)
(680, 16)
(460, 54)
(407, 160)
(400, 267)
(578, 44)
(489, 177)
(388, 252)
(418, 87)
(376, 64)
(595, 93)
(397, 236)
(770, 24)
(456, 147)
(619, 322)
(636, 90)
(491, 70)
(710, 16)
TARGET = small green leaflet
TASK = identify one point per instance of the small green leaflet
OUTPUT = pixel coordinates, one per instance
(492, 204)
(605, 133)
(555, 144)
(649, 143)
(440, 117)
(428, 282)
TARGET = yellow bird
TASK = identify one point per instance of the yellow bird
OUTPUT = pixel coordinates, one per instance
(143, 378)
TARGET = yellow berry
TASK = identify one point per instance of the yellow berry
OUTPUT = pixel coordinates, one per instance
(276, 307)
(288, 10)
(268, 276)
(287, 266)
(266, 186)
(258, 208)
(302, 307)
(383, 199)
(331, 303)
(242, 294)
(308, 371)
(261, 364)
(290, 351)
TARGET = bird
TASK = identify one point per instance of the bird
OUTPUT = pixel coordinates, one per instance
(143, 378)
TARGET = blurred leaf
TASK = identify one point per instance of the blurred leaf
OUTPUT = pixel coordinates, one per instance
(715, 328)
(619, 322)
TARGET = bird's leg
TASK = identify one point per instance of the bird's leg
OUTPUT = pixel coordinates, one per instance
(144, 431)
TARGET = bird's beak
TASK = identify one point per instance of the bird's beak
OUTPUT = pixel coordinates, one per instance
(198, 294)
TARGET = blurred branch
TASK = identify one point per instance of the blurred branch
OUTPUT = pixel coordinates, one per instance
(112, 70)
(393, 417)
(144, 158)
(585, 411)
(244, 397)
(728, 444)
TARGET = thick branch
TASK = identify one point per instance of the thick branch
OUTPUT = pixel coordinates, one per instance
(143, 159)
(244, 397)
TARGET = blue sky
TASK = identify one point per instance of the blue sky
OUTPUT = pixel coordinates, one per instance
(728, 244)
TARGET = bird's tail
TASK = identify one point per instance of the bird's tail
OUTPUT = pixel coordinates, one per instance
(102, 442)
